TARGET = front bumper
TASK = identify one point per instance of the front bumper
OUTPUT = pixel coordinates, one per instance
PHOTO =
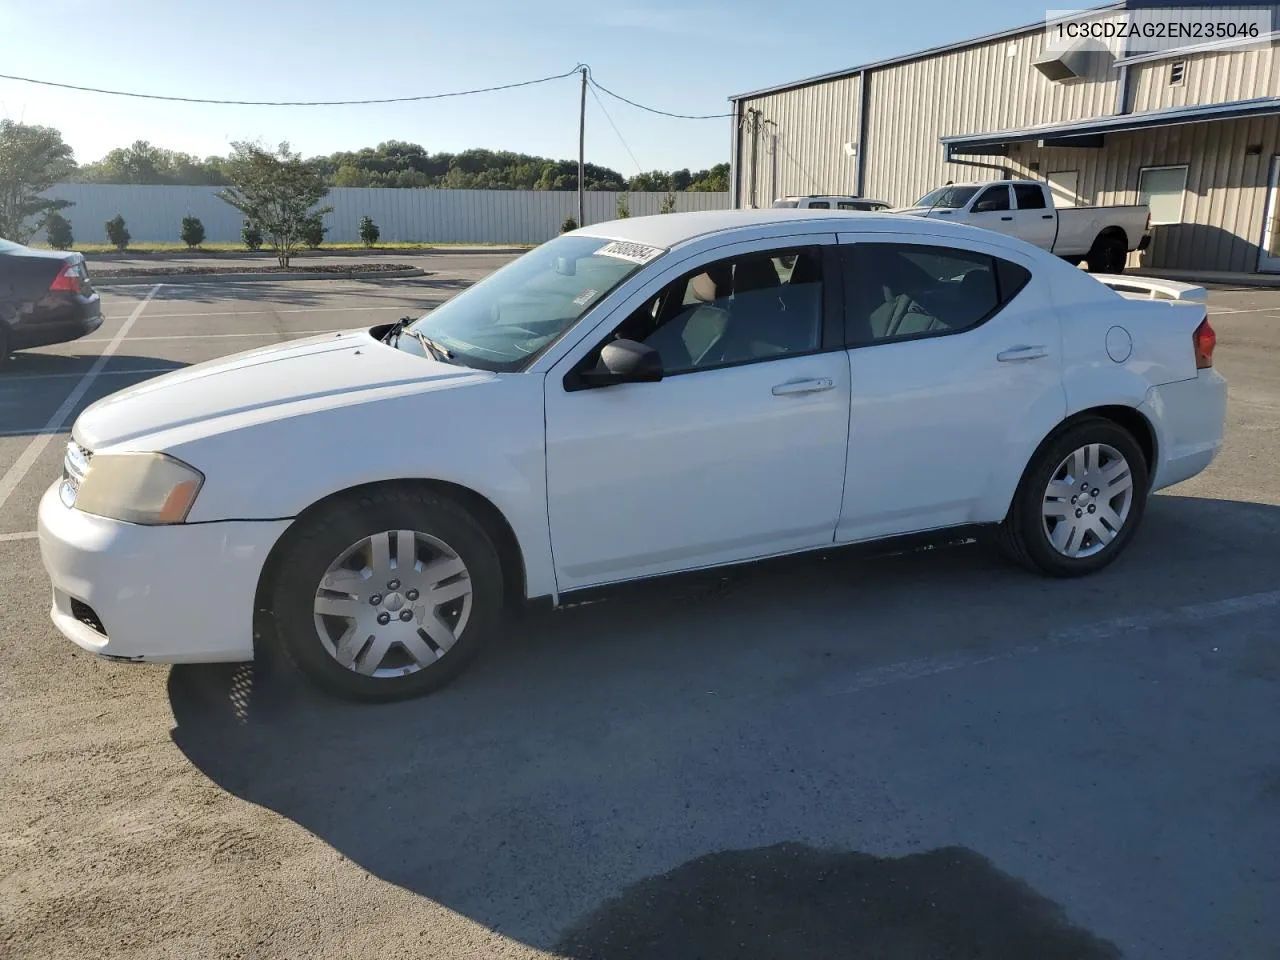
(171, 594)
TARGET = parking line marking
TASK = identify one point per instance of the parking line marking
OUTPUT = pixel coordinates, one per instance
(905, 670)
(222, 336)
(13, 476)
(60, 376)
(25, 535)
(260, 313)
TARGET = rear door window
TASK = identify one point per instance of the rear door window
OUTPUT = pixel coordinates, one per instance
(908, 291)
(1030, 196)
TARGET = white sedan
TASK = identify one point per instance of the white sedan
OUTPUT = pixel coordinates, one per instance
(632, 399)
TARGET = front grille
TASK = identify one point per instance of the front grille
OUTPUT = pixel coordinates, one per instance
(86, 615)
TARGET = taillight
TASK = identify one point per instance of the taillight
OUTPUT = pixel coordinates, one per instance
(1204, 340)
(68, 279)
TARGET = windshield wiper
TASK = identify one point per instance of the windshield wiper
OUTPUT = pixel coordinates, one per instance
(433, 349)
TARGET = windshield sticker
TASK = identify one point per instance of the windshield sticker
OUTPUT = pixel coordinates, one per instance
(585, 297)
(634, 252)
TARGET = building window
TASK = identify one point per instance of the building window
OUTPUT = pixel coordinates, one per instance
(1177, 72)
(1163, 188)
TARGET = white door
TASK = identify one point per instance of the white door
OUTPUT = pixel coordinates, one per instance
(1035, 222)
(993, 210)
(738, 452)
(1269, 255)
(955, 366)
(1064, 185)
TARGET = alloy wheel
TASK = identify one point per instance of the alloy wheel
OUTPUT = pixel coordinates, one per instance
(1087, 500)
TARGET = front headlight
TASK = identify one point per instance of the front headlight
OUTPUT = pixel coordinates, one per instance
(149, 488)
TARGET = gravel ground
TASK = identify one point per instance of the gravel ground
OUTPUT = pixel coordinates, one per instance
(923, 755)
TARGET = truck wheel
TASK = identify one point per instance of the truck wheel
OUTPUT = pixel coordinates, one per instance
(1108, 255)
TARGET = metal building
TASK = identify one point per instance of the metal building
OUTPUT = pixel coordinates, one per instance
(1194, 131)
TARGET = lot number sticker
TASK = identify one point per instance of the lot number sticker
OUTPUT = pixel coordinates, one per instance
(634, 252)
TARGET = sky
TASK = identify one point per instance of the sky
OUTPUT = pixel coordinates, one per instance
(684, 57)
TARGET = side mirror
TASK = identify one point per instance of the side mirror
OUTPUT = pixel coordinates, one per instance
(624, 361)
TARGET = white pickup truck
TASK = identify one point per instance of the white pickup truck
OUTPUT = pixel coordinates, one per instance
(1100, 236)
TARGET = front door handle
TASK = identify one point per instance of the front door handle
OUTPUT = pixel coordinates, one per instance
(1021, 353)
(792, 387)
(1046, 216)
(1006, 218)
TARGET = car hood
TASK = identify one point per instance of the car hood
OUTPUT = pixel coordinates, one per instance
(288, 379)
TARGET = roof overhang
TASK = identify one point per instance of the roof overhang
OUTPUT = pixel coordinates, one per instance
(1091, 132)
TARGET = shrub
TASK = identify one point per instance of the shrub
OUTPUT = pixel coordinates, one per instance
(118, 233)
(59, 230)
(369, 231)
(192, 232)
(313, 231)
(668, 204)
(251, 236)
(623, 207)
(569, 224)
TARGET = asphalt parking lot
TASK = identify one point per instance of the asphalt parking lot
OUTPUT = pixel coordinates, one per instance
(923, 755)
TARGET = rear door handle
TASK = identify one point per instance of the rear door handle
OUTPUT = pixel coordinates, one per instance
(1021, 353)
(792, 387)
(1046, 216)
(1006, 218)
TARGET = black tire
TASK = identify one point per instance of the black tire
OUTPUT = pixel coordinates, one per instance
(1023, 537)
(1108, 255)
(347, 520)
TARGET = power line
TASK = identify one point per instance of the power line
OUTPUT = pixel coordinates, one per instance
(621, 139)
(662, 113)
(289, 103)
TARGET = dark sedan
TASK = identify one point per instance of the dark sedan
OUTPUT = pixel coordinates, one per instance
(45, 297)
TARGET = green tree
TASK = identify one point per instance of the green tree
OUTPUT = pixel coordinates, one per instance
(369, 231)
(32, 159)
(251, 236)
(313, 231)
(668, 204)
(623, 207)
(192, 233)
(117, 233)
(144, 163)
(276, 190)
(58, 229)
(715, 180)
(569, 224)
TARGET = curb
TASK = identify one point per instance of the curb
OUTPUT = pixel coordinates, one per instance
(181, 279)
(107, 258)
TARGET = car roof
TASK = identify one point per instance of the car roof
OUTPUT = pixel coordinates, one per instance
(667, 230)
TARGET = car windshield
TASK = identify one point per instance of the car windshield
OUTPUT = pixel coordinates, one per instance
(507, 319)
(950, 198)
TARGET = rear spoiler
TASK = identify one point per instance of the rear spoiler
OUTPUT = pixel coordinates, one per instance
(1152, 288)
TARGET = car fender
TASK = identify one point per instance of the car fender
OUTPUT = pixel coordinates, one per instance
(493, 445)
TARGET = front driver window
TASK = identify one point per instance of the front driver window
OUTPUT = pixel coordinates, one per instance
(754, 307)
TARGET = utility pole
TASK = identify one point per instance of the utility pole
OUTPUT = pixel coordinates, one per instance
(582, 150)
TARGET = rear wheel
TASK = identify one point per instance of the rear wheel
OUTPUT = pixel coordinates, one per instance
(387, 595)
(1108, 255)
(1080, 501)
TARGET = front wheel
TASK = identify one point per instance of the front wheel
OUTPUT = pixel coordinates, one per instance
(1079, 502)
(387, 594)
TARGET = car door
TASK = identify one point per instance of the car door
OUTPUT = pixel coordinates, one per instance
(1034, 220)
(738, 452)
(992, 210)
(955, 375)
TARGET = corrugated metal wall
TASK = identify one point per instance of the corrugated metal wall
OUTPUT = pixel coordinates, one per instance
(1226, 186)
(797, 147)
(154, 213)
(1209, 78)
(990, 86)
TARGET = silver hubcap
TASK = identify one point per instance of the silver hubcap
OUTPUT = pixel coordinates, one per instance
(393, 603)
(1087, 501)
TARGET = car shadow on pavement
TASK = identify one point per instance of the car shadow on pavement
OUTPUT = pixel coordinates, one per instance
(722, 770)
(33, 386)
